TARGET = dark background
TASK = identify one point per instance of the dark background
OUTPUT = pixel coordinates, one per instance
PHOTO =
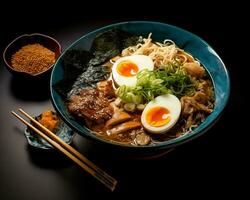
(212, 165)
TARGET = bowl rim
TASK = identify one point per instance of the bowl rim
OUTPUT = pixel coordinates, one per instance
(161, 145)
(30, 35)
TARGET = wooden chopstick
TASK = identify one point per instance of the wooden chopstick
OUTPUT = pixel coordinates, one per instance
(69, 148)
(70, 152)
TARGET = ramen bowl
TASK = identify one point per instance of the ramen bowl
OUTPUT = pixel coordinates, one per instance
(160, 31)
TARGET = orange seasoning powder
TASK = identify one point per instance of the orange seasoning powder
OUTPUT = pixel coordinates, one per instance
(33, 58)
(49, 119)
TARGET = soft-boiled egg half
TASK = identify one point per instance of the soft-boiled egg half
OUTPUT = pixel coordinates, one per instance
(125, 69)
(161, 114)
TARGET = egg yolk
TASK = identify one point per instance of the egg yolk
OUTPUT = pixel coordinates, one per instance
(158, 116)
(127, 68)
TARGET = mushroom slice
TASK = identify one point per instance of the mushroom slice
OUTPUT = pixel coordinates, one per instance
(142, 139)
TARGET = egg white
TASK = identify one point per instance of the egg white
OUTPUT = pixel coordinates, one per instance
(168, 101)
(142, 61)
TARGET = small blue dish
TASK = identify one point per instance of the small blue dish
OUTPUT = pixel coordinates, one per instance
(160, 31)
(62, 131)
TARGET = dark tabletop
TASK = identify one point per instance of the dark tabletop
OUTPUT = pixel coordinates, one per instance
(205, 164)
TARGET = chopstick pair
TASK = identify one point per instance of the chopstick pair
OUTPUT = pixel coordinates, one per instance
(69, 151)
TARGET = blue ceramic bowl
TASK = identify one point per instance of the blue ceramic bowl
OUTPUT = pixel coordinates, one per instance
(160, 31)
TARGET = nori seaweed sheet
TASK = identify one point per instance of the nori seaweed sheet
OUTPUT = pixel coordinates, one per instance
(84, 68)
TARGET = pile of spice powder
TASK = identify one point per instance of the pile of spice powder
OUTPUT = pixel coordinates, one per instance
(33, 58)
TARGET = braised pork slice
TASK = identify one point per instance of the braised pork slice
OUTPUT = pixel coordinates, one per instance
(106, 88)
(194, 103)
(194, 69)
(92, 105)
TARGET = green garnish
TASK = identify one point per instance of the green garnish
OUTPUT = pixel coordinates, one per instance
(169, 79)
